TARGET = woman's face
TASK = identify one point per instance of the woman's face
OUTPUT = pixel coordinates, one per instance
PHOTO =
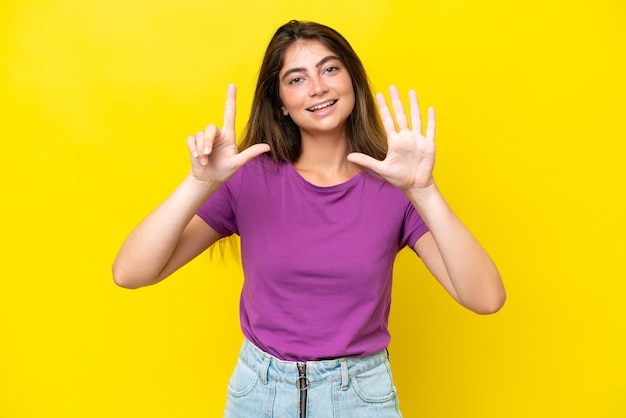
(315, 88)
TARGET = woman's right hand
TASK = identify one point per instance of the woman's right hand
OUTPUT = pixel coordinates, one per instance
(214, 155)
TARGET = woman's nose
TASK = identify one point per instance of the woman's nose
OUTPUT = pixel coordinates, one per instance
(318, 86)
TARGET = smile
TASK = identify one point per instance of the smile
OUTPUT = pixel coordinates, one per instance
(322, 106)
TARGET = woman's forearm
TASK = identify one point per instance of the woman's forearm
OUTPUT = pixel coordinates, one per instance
(471, 270)
(149, 247)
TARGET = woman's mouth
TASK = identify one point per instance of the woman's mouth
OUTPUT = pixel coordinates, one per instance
(322, 106)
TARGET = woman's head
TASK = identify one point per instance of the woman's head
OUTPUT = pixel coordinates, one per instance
(269, 124)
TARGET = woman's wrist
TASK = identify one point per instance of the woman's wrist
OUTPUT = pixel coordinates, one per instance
(202, 186)
(421, 196)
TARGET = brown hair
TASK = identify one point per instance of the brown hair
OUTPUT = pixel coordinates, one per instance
(268, 124)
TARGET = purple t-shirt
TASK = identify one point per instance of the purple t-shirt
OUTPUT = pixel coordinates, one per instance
(317, 261)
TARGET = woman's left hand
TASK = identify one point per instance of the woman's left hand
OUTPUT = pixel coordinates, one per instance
(410, 155)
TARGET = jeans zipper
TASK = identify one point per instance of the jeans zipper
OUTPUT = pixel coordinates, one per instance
(302, 384)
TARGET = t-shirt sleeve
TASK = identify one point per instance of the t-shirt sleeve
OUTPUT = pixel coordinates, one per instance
(414, 226)
(219, 210)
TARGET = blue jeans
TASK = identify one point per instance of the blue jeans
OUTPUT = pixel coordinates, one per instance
(263, 386)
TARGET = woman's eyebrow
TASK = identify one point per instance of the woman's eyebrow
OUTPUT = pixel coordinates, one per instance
(302, 69)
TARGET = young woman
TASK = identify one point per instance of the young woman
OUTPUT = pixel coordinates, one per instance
(323, 193)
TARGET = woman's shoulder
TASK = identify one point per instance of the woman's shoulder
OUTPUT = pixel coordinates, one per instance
(264, 164)
(374, 180)
(260, 169)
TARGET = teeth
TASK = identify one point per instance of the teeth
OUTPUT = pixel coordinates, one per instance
(322, 106)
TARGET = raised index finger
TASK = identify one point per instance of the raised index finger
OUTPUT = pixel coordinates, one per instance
(385, 114)
(231, 107)
(398, 108)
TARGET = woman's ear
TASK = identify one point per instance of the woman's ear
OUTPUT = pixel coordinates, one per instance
(284, 110)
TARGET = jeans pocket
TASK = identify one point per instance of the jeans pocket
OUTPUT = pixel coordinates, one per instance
(375, 385)
(243, 380)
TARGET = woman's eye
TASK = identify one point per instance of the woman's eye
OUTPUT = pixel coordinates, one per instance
(295, 80)
(332, 69)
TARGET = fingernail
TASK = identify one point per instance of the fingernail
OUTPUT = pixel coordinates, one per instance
(194, 154)
(205, 150)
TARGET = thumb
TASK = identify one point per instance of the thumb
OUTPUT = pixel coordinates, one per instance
(365, 161)
(252, 152)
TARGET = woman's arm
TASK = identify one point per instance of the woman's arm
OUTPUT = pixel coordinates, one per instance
(166, 239)
(455, 257)
(171, 235)
(449, 250)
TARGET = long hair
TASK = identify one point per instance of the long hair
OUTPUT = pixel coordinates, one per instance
(268, 124)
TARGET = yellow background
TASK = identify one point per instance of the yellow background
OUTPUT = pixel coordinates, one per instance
(98, 96)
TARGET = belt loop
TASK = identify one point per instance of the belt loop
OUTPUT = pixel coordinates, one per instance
(265, 369)
(345, 378)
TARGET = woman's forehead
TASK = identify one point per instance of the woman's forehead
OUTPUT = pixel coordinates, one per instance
(301, 53)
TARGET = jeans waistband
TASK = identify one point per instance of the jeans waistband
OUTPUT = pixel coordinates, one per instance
(341, 369)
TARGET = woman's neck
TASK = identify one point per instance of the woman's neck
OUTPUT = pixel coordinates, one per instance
(323, 160)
